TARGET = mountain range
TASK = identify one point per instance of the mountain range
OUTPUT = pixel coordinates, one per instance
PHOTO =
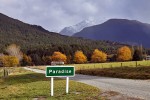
(35, 37)
(69, 31)
(119, 30)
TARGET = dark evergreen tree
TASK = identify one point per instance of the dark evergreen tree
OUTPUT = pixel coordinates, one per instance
(138, 55)
(36, 59)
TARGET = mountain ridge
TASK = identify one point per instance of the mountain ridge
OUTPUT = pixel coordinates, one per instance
(119, 30)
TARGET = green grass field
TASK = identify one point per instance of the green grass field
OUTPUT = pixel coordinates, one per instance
(26, 85)
(129, 70)
(105, 65)
(111, 65)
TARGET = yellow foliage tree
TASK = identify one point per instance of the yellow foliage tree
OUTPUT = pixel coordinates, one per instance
(98, 56)
(58, 56)
(124, 54)
(79, 57)
(9, 61)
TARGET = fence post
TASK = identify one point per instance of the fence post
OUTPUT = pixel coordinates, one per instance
(136, 63)
(121, 64)
(5, 71)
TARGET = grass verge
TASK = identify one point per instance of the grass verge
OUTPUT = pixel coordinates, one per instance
(104, 65)
(119, 72)
(26, 85)
(112, 64)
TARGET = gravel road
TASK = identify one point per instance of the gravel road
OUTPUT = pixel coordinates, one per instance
(132, 88)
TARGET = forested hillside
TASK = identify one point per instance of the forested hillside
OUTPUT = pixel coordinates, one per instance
(37, 42)
(33, 37)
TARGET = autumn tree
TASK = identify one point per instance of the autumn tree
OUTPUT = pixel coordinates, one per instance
(26, 60)
(79, 57)
(98, 56)
(47, 60)
(124, 54)
(58, 56)
(9, 61)
(14, 50)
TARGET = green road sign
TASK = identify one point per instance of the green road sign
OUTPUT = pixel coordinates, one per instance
(60, 71)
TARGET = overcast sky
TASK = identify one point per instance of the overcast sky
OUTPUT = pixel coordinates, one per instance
(57, 14)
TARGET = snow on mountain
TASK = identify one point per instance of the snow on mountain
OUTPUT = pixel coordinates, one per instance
(69, 31)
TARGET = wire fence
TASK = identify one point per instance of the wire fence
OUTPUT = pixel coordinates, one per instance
(112, 65)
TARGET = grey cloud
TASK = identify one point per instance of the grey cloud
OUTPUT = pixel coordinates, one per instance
(56, 14)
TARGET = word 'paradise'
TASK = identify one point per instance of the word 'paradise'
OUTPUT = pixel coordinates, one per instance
(59, 71)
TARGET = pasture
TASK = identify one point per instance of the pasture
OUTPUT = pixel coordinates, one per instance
(129, 70)
(26, 85)
(104, 65)
(112, 65)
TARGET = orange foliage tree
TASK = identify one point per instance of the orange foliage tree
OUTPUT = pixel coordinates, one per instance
(26, 60)
(124, 54)
(58, 56)
(98, 56)
(79, 57)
